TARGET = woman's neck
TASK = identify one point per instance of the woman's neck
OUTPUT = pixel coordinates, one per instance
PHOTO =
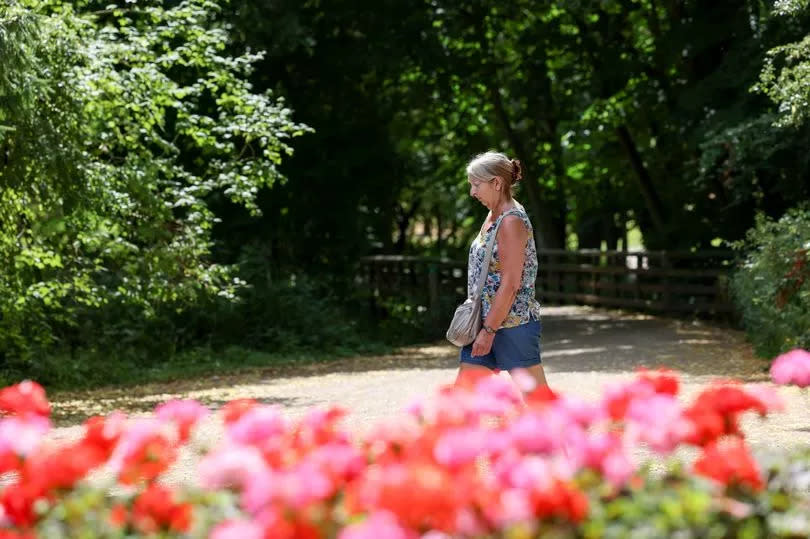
(501, 207)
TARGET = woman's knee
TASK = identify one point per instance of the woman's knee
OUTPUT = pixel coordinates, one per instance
(469, 374)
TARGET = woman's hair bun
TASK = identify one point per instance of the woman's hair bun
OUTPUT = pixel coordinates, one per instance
(517, 171)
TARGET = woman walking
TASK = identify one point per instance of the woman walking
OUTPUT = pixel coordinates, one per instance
(510, 336)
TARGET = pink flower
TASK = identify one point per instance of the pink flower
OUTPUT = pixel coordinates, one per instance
(792, 368)
(380, 525)
(580, 411)
(617, 467)
(512, 505)
(769, 398)
(433, 534)
(305, 484)
(450, 408)
(320, 426)
(460, 446)
(659, 421)
(605, 452)
(399, 431)
(469, 523)
(543, 431)
(500, 388)
(484, 405)
(133, 439)
(415, 408)
(339, 460)
(231, 466)
(523, 380)
(617, 398)
(21, 436)
(297, 488)
(260, 490)
(257, 426)
(185, 413)
(321, 419)
(237, 529)
(528, 473)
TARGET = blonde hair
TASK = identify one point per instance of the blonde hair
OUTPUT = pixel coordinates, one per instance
(485, 166)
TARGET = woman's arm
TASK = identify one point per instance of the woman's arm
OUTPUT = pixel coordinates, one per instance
(512, 238)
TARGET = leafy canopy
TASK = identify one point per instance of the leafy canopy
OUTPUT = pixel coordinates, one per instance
(117, 127)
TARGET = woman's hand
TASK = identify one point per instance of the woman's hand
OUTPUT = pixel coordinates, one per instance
(483, 343)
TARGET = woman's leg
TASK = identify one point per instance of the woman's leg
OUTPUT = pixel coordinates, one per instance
(538, 380)
(536, 372)
(469, 373)
(519, 346)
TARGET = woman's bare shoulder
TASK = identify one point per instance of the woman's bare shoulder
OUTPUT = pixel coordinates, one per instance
(512, 226)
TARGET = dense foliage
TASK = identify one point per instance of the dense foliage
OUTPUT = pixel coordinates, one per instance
(772, 287)
(663, 115)
(120, 129)
(477, 460)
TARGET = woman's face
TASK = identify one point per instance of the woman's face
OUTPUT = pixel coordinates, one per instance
(486, 193)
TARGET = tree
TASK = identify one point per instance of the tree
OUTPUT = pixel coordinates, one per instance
(117, 128)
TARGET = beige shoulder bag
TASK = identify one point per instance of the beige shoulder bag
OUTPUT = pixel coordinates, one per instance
(466, 321)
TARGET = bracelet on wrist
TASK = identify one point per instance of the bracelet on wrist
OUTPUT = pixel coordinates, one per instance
(489, 329)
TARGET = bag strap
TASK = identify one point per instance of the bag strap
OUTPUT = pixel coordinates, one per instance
(485, 266)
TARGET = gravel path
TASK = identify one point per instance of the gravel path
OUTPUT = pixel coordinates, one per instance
(583, 349)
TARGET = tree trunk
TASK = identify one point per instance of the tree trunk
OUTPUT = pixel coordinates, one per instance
(439, 229)
(403, 222)
(547, 233)
(651, 199)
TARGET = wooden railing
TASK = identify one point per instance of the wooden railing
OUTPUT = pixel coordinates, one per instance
(659, 281)
(663, 281)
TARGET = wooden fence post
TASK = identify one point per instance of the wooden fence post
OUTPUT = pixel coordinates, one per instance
(433, 290)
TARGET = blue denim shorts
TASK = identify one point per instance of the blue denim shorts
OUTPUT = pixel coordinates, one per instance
(512, 348)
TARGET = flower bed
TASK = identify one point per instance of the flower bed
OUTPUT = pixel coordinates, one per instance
(474, 461)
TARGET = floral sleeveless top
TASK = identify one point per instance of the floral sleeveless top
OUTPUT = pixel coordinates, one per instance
(525, 308)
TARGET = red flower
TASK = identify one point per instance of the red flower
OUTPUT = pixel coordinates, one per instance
(118, 516)
(155, 509)
(61, 468)
(18, 501)
(104, 432)
(421, 495)
(541, 394)
(729, 398)
(184, 413)
(716, 410)
(148, 461)
(468, 379)
(9, 461)
(729, 462)
(235, 409)
(14, 534)
(25, 398)
(289, 526)
(663, 380)
(560, 500)
(707, 425)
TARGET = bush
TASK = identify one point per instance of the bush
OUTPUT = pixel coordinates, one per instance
(295, 317)
(772, 287)
(472, 462)
(118, 221)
